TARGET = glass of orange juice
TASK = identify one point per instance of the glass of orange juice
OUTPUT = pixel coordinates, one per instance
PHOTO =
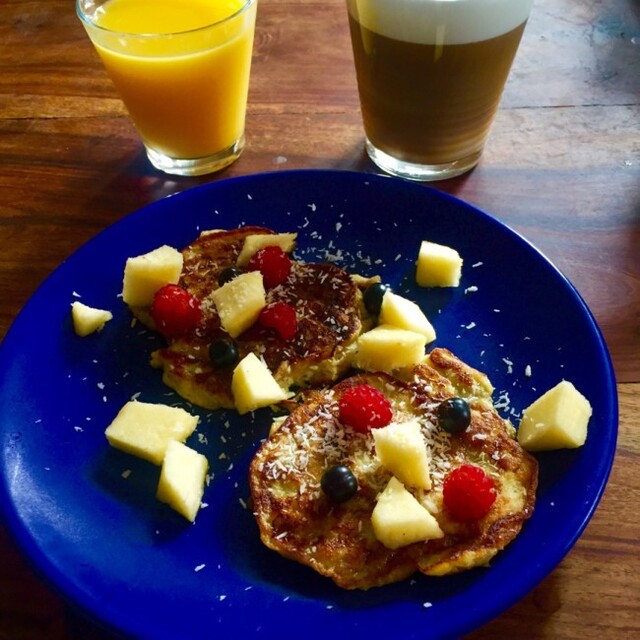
(181, 68)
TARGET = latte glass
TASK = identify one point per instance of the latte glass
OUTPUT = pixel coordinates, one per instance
(182, 71)
(430, 78)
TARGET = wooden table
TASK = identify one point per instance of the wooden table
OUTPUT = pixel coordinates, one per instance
(562, 166)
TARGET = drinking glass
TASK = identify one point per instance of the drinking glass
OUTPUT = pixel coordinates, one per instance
(430, 77)
(182, 71)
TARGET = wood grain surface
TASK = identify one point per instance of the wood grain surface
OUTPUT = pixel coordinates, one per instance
(562, 167)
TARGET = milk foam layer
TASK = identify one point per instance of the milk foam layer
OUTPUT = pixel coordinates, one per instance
(440, 21)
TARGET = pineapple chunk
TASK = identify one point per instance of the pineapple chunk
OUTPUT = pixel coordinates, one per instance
(405, 314)
(87, 320)
(239, 302)
(182, 478)
(276, 423)
(556, 420)
(401, 449)
(438, 266)
(145, 429)
(386, 348)
(257, 241)
(145, 274)
(253, 386)
(398, 519)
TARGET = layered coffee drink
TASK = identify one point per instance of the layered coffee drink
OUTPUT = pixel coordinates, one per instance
(430, 78)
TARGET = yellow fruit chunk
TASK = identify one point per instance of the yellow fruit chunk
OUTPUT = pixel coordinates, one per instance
(145, 274)
(276, 423)
(438, 266)
(87, 320)
(386, 348)
(182, 479)
(253, 386)
(255, 242)
(145, 430)
(239, 302)
(401, 449)
(405, 314)
(556, 420)
(398, 519)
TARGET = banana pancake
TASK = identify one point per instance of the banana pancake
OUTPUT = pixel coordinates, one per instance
(297, 519)
(329, 312)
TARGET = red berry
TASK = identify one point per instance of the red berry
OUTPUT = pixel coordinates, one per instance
(175, 311)
(273, 263)
(468, 493)
(281, 317)
(364, 408)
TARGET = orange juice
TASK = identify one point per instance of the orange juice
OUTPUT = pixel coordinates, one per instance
(181, 68)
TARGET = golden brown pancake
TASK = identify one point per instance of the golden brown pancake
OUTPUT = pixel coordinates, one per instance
(298, 521)
(329, 310)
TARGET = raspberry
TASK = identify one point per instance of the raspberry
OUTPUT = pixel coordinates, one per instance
(175, 311)
(281, 317)
(364, 408)
(468, 493)
(273, 263)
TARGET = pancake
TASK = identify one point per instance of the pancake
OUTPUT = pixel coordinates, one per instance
(329, 310)
(297, 520)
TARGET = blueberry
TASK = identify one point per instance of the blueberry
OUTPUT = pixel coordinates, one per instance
(339, 483)
(373, 295)
(228, 274)
(454, 415)
(223, 353)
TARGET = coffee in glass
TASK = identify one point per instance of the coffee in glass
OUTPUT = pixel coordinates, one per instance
(430, 77)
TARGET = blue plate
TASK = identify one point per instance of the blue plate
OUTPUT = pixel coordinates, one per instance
(86, 515)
